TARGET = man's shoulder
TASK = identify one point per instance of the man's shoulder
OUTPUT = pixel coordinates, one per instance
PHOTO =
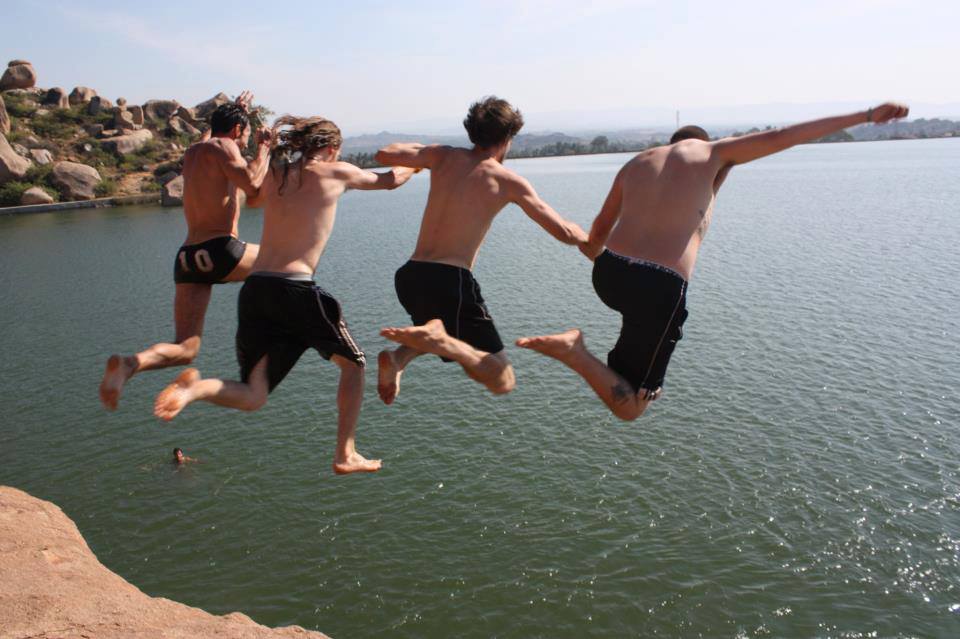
(213, 148)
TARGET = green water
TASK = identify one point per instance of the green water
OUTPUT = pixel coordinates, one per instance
(799, 477)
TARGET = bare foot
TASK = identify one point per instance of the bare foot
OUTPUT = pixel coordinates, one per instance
(356, 463)
(429, 338)
(119, 370)
(560, 346)
(388, 377)
(175, 397)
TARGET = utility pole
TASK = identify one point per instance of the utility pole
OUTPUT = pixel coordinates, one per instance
(678, 118)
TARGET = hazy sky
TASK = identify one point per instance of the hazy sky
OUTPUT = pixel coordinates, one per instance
(375, 65)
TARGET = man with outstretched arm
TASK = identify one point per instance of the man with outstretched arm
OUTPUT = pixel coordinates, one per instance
(652, 223)
(468, 187)
(281, 311)
(214, 172)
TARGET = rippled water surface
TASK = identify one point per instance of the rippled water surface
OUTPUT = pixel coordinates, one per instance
(799, 477)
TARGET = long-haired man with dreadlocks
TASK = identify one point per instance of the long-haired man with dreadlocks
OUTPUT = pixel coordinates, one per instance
(282, 312)
(213, 171)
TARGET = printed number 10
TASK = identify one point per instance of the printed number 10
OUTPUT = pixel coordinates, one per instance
(202, 259)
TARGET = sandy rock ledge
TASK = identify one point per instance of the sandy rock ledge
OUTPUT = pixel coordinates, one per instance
(52, 585)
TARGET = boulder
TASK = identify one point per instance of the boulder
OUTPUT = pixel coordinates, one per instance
(172, 192)
(21, 150)
(81, 95)
(166, 177)
(123, 120)
(56, 97)
(179, 125)
(19, 75)
(35, 195)
(137, 112)
(94, 129)
(160, 109)
(75, 181)
(4, 118)
(12, 166)
(97, 104)
(188, 115)
(127, 143)
(41, 156)
(32, 93)
(205, 108)
(54, 586)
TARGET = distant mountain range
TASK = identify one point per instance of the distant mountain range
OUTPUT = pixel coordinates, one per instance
(525, 144)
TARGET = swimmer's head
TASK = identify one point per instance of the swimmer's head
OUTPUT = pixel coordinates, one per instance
(689, 132)
(231, 120)
(178, 455)
(492, 122)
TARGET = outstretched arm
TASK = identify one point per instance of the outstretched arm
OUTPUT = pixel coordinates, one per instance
(543, 214)
(757, 145)
(356, 178)
(412, 154)
(605, 220)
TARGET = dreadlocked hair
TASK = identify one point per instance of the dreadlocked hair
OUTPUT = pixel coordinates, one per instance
(300, 141)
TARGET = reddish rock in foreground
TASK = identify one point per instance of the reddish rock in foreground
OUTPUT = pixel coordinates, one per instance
(54, 586)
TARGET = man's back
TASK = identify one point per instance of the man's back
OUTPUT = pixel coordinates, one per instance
(667, 200)
(210, 203)
(467, 190)
(298, 219)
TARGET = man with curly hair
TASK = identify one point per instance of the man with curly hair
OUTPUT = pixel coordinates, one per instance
(468, 187)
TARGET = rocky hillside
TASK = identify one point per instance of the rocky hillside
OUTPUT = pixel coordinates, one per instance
(57, 145)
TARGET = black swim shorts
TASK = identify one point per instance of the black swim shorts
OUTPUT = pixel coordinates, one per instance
(652, 299)
(281, 317)
(430, 290)
(208, 262)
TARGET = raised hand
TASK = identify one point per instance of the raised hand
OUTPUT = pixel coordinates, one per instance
(888, 111)
(264, 136)
(244, 100)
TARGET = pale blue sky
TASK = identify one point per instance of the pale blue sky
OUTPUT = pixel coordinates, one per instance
(416, 65)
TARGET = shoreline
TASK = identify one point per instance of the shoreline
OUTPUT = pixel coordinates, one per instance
(154, 198)
(97, 203)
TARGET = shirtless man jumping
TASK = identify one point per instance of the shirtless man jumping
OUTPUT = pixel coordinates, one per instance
(213, 171)
(468, 187)
(282, 312)
(652, 223)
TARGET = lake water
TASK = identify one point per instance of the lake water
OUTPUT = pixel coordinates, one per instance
(800, 476)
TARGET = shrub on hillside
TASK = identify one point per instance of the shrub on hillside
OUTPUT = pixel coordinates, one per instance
(105, 188)
(11, 192)
(95, 155)
(19, 106)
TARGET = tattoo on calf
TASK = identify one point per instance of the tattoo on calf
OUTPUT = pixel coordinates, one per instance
(621, 392)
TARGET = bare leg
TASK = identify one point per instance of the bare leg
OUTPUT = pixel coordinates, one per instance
(188, 387)
(390, 365)
(612, 389)
(189, 309)
(491, 370)
(346, 459)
